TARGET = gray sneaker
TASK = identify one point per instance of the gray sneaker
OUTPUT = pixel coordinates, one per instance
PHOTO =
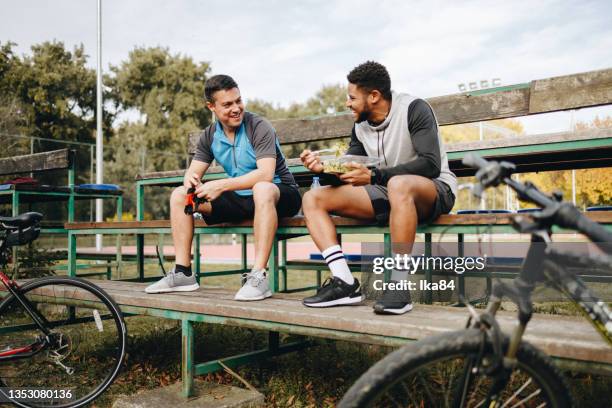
(255, 286)
(174, 282)
(394, 302)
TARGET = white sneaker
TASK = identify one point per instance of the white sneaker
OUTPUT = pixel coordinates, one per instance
(255, 287)
(174, 282)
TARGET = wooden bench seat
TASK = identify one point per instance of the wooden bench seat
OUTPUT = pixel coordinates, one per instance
(565, 337)
(604, 217)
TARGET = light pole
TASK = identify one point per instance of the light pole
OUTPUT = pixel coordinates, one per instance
(99, 139)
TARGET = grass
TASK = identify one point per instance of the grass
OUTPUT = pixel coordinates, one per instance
(315, 377)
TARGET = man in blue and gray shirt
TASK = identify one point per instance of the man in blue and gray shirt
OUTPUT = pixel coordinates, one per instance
(259, 187)
(412, 185)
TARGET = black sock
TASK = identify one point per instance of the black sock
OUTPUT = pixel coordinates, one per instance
(185, 269)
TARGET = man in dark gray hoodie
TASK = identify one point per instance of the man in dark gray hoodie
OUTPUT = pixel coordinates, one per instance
(413, 183)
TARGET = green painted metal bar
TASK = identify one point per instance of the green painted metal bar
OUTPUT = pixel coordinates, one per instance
(71, 174)
(140, 255)
(119, 247)
(535, 148)
(431, 229)
(15, 212)
(243, 250)
(273, 266)
(283, 264)
(72, 246)
(499, 89)
(187, 365)
(140, 201)
(387, 249)
(428, 271)
(197, 262)
(247, 358)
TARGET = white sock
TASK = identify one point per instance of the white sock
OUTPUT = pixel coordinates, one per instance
(337, 264)
(399, 274)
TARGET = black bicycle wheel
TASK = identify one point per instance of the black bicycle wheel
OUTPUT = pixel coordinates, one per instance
(439, 372)
(88, 343)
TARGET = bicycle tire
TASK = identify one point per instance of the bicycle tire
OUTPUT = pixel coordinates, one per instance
(46, 291)
(409, 359)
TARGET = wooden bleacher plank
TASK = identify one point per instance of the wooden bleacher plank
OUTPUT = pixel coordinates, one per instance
(562, 336)
(571, 91)
(604, 217)
(56, 159)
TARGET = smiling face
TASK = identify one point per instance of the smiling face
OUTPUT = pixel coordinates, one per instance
(228, 107)
(358, 102)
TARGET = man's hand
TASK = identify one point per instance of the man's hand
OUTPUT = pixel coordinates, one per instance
(191, 180)
(311, 161)
(359, 176)
(210, 190)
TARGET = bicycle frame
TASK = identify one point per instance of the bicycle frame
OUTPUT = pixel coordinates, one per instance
(36, 347)
(539, 266)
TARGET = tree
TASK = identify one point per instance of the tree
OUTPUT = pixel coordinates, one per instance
(167, 91)
(50, 94)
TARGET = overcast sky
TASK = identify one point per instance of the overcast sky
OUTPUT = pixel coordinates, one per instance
(283, 51)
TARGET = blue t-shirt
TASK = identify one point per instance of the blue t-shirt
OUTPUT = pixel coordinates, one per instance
(254, 139)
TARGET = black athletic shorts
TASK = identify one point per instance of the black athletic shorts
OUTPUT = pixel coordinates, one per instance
(379, 196)
(233, 207)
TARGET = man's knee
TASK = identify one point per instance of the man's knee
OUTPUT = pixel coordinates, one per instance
(178, 196)
(265, 193)
(401, 188)
(312, 200)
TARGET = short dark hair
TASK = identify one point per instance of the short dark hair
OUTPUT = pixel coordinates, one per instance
(218, 83)
(371, 75)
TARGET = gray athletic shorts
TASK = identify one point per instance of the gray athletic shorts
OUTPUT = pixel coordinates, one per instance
(380, 201)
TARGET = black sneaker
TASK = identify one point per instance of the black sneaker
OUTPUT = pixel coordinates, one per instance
(394, 302)
(335, 292)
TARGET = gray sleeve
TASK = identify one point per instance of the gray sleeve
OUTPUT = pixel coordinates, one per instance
(424, 134)
(355, 146)
(203, 151)
(264, 140)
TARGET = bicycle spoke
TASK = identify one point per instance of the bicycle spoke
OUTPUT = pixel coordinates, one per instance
(524, 400)
(513, 396)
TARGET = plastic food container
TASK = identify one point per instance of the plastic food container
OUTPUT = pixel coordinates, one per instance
(337, 165)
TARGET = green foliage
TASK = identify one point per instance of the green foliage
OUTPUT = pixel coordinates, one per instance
(167, 90)
(329, 100)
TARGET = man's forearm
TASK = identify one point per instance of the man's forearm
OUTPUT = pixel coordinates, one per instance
(247, 181)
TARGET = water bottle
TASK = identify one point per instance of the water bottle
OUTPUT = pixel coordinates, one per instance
(315, 184)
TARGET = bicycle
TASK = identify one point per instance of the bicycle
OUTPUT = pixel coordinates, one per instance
(62, 339)
(480, 366)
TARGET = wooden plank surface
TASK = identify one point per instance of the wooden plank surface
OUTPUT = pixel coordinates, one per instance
(604, 217)
(545, 95)
(57, 159)
(563, 336)
(529, 140)
(571, 91)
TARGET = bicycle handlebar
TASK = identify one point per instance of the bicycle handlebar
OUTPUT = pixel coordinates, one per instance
(563, 214)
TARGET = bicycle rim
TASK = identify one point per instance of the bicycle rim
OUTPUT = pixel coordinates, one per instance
(88, 347)
(440, 372)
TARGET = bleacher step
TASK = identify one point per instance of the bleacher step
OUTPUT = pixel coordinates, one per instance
(207, 395)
